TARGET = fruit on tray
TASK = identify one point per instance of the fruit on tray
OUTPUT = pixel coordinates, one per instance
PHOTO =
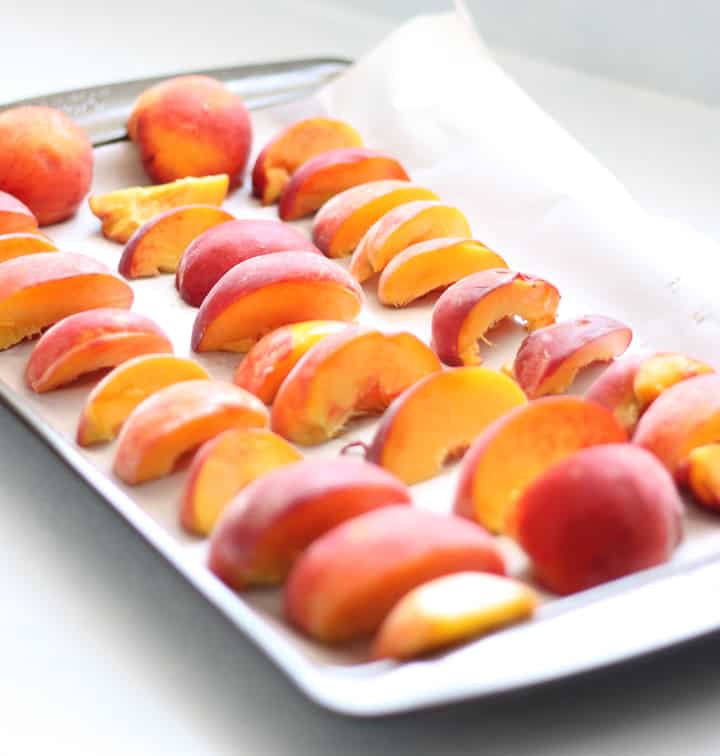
(191, 126)
(46, 162)
(164, 428)
(330, 173)
(357, 371)
(225, 465)
(292, 147)
(470, 308)
(520, 446)
(348, 580)
(123, 211)
(432, 265)
(437, 418)
(112, 400)
(268, 363)
(213, 253)
(157, 246)
(39, 290)
(273, 520)
(88, 341)
(549, 358)
(266, 292)
(345, 218)
(597, 515)
(449, 610)
(24, 243)
(703, 475)
(15, 216)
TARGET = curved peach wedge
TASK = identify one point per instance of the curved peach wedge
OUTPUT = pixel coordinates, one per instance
(471, 307)
(266, 292)
(19, 244)
(223, 466)
(169, 424)
(356, 371)
(703, 475)
(15, 216)
(272, 521)
(438, 417)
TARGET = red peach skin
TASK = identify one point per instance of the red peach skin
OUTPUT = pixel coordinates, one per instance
(15, 216)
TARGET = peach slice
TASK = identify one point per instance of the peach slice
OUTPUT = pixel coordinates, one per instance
(703, 475)
(438, 417)
(267, 527)
(112, 400)
(432, 265)
(450, 610)
(471, 307)
(19, 244)
(356, 371)
(15, 216)
(345, 218)
(38, 290)
(270, 361)
(223, 466)
(157, 246)
(266, 292)
(292, 147)
(122, 212)
(521, 445)
(549, 359)
(332, 172)
(347, 581)
(88, 341)
(168, 425)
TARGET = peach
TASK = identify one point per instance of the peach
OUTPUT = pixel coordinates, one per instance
(164, 428)
(345, 218)
(38, 290)
(703, 475)
(356, 371)
(46, 161)
(521, 445)
(112, 400)
(19, 244)
(15, 217)
(330, 173)
(549, 359)
(213, 253)
(347, 581)
(598, 515)
(471, 307)
(438, 417)
(223, 466)
(89, 341)
(191, 126)
(292, 147)
(267, 527)
(266, 292)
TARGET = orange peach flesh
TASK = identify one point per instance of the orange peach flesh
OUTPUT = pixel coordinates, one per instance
(15, 216)
(661, 371)
(19, 244)
(360, 268)
(703, 474)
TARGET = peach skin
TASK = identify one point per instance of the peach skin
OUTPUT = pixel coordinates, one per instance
(271, 522)
(450, 610)
(345, 584)
(266, 292)
(164, 428)
(15, 217)
(330, 173)
(89, 341)
(521, 445)
(345, 218)
(38, 290)
(354, 372)
(437, 418)
(292, 147)
(19, 244)
(471, 307)
(112, 400)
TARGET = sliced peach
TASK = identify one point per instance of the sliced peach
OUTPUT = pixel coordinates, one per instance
(471, 307)
(438, 417)
(112, 400)
(292, 147)
(268, 526)
(518, 447)
(164, 428)
(15, 216)
(703, 475)
(332, 172)
(266, 292)
(357, 371)
(38, 290)
(223, 466)
(19, 244)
